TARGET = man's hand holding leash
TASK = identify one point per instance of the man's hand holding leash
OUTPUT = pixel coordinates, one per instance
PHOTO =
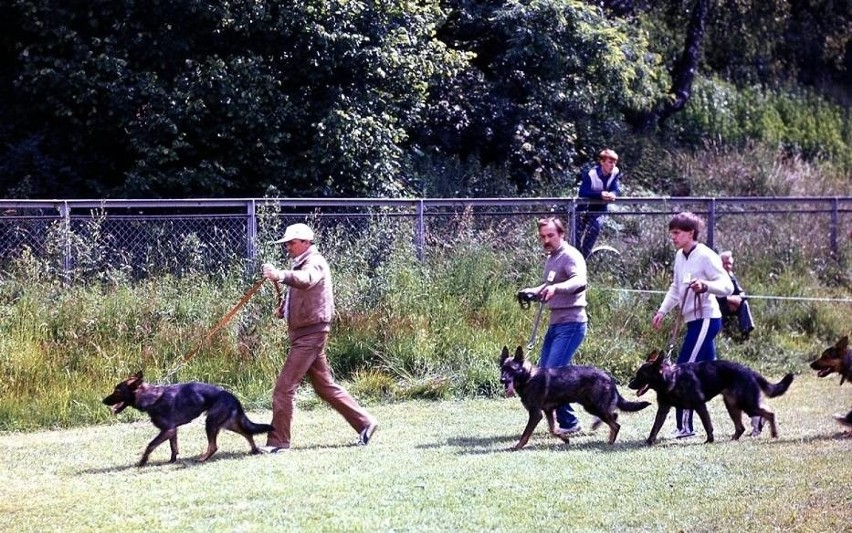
(541, 294)
(275, 275)
(271, 273)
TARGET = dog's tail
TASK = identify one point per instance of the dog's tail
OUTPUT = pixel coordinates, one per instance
(253, 428)
(775, 389)
(629, 406)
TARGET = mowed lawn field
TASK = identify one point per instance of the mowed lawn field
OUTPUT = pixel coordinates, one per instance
(443, 466)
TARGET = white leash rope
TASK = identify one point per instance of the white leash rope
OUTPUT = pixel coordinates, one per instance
(748, 296)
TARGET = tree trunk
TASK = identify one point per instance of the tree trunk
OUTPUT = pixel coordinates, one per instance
(683, 71)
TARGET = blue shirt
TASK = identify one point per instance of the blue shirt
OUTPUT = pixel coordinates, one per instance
(594, 182)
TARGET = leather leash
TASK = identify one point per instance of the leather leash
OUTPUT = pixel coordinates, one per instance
(534, 333)
(224, 321)
(550, 277)
(677, 324)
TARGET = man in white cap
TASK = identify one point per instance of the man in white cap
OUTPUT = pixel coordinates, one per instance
(308, 309)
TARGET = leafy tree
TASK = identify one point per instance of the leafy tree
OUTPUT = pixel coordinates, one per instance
(546, 73)
(184, 97)
(359, 97)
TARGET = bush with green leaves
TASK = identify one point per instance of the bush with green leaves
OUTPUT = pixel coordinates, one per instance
(799, 122)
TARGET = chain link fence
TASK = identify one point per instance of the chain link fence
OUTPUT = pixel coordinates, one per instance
(83, 240)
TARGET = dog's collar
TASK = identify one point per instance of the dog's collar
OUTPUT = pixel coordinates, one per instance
(672, 371)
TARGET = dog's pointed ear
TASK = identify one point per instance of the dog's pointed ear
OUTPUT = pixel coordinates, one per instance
(843, 343)
(137, 376)
(653, 356)
(504, 354)
(519, 354)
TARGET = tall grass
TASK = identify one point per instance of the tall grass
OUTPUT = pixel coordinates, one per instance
(407, 327)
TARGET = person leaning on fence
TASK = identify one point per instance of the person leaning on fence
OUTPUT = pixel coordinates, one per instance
(564, 293)
(308, 309)
(736, 304)
(698, 277)
(600, 182)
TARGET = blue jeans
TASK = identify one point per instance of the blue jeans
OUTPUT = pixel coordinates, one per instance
(698, 345)
(586, 233)
(560, 343)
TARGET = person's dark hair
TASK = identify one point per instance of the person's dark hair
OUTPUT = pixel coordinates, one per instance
(560, 227)
(687, 221)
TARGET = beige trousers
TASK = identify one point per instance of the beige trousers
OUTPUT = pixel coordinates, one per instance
(307, 357)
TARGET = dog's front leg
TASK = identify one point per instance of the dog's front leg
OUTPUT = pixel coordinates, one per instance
(163, 436)
(705, 421)
(662, 413)
(535, 418)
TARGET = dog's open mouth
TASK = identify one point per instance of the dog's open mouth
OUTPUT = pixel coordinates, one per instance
(510, 389)
(824, 372)
(642, 390)
(117, 408)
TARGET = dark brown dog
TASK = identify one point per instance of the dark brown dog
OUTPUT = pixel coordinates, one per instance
(837, 358)
(170, 406)
(692, 385)
(545, 389)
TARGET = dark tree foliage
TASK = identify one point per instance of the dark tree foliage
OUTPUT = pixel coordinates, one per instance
(543, 75)
(192, 98)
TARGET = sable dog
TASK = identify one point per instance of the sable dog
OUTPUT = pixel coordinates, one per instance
(837, 358)
(692, 385)
(170, 406)
(545, 389)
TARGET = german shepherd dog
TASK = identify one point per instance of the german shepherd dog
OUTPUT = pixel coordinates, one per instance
(837, 358)
(170, 406)
(692, 385)
(545, 389)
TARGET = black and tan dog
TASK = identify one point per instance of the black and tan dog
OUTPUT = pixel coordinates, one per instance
(170, 406)
(837, 358)
(545, 389)
(692, 385)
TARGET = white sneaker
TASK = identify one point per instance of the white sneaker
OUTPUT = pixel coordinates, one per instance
(367, 433)
(684, 433)
(273, 449)
(576, 429)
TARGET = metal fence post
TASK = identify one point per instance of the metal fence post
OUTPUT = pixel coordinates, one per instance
(832, 228)
(251, 236)
(65, 214)
(572, 219)
(711, 223)
(420, 230)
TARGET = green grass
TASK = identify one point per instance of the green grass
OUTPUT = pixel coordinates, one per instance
(441, 466)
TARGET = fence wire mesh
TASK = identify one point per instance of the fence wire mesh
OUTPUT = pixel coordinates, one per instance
(83, 240)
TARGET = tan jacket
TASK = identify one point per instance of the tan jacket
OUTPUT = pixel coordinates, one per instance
(311, 299)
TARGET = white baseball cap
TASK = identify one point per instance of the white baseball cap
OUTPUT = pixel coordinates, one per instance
(296, 231)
